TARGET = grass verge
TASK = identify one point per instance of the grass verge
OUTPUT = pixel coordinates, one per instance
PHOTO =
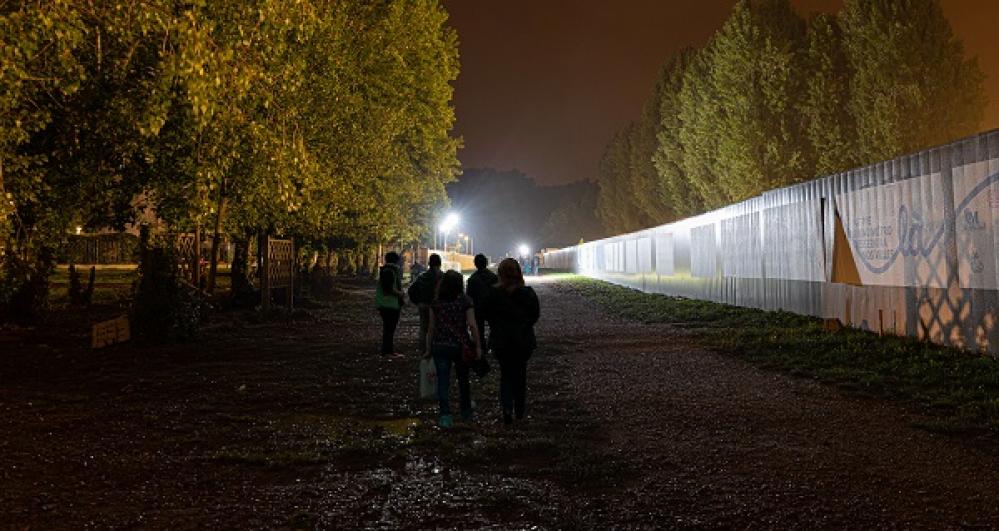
(960, 390)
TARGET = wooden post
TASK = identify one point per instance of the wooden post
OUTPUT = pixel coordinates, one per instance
(265, 276)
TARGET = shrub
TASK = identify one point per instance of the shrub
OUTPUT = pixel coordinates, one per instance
(24, 287)
(77, 295)
(165, 307)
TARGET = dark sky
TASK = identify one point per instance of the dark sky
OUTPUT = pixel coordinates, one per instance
(545, 83)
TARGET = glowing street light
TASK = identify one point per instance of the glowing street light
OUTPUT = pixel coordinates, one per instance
(524, 250)
(450, 221)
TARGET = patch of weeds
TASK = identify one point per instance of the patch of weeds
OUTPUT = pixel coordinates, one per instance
(961, 386)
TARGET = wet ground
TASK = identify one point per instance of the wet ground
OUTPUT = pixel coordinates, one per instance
(299, 424)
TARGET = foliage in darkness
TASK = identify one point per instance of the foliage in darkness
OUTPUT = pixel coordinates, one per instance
(773, 100)
(502, 209)
(164, 306)
(318, 120)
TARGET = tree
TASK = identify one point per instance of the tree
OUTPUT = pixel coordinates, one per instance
(311, 118)
(756, 67)
(616, 200)
(39, 65)
(699, 122)
(830, 126)
(650, 209)
(573, 221)
(911, 86)
(673, 186)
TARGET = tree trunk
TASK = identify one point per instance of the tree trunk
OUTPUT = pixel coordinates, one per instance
(240, 266)
(219, 213)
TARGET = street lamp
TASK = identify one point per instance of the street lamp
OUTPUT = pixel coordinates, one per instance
(450, 221)
(467, 246)
(524, 250)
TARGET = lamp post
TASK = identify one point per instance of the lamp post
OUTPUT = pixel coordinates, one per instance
(466, 238)
(450, 221)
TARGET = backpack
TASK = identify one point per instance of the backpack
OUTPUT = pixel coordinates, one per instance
(511, 320)
(422, 291)
(413, 292)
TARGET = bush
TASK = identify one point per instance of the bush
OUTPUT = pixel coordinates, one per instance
(165, 307)
(320, 282)
(24, 287)
(77, 295)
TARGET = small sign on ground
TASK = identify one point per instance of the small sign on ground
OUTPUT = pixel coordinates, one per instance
(111, 332)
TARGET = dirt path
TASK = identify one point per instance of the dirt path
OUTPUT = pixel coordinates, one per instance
(720, 443)
(298, 424)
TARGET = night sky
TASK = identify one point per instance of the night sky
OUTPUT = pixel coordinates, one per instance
(544, 84)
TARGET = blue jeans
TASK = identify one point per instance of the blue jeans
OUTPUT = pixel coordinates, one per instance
(446, 356)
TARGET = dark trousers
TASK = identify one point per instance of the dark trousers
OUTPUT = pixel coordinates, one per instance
(390, 319)
(421, 338)
(513, 383)
(481, 323)
(445, 357)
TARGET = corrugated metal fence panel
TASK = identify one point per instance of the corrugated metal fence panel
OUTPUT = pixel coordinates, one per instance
(922, 231)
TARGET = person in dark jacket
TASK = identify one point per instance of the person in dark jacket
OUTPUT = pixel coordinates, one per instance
(512, 309)
(426, 289)
(479, 284)
(415, 271)
(389, 299)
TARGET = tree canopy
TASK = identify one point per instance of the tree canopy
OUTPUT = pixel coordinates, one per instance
(773, 99)
(314, 119)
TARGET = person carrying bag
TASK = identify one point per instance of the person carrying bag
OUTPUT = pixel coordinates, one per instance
(448, 342)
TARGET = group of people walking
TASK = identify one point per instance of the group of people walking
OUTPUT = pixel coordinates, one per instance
(454, 323)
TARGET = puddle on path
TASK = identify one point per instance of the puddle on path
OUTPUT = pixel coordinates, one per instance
(402, 428)
(350, 432)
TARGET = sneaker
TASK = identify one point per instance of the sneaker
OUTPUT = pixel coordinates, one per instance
(447, 421)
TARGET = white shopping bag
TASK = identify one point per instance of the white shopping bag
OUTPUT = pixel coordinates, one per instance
(428, 378)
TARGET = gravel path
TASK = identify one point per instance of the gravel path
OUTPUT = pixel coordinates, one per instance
(298, 424)
(717, 442)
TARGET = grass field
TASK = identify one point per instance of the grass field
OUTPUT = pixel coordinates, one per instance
(960, 389)
(112, 283)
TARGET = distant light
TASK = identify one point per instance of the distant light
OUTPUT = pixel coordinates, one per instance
(79, 229)
(524, 250)
(450, 221)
